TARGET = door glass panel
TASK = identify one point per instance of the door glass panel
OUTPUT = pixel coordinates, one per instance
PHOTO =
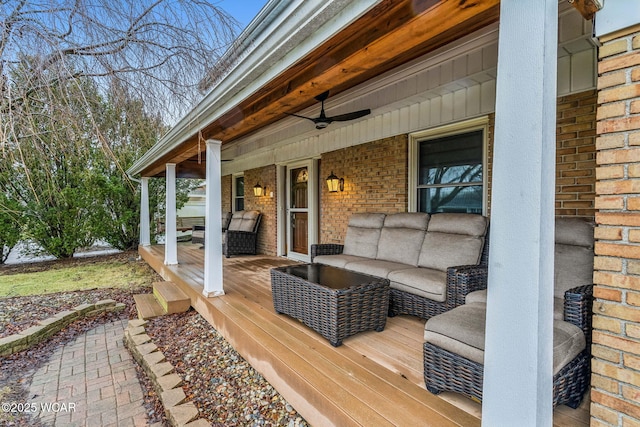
(299, 185)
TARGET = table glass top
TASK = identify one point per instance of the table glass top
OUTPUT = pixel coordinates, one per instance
(328, 276)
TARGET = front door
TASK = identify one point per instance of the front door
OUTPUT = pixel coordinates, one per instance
(299, 189)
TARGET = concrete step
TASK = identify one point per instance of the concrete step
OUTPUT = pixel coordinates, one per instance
(147, 306)
(171, 298)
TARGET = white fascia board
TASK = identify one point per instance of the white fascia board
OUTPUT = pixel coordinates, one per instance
(287, 31)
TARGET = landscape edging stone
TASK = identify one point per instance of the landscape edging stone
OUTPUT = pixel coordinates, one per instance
(165, 381)
(52, 325)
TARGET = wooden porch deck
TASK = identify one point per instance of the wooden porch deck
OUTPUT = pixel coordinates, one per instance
(374, 378)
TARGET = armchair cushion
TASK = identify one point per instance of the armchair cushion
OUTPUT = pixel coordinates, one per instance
(363, 233)
(462, 331)
(453, 239)
(244, 221)
(481, 296)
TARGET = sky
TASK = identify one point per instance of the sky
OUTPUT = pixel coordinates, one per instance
(243, 10)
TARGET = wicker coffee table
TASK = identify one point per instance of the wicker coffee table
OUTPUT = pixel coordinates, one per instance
(335, 302)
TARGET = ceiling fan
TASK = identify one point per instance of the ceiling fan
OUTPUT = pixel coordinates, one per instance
(323, 120)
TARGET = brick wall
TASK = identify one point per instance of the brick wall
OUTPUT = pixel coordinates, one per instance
(575, 155)
(375, 180)
(615, 393)
(226, 193)
(267, 234)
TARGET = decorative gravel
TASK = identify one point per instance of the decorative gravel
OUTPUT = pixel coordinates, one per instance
(224, 387)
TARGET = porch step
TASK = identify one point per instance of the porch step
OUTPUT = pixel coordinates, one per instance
(171, 298)
(147, 306)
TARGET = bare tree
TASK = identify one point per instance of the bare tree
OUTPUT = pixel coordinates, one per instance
(159, 49)
(60, 58)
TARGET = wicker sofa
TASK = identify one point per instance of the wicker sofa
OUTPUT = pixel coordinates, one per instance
(431, 261)
(454, 341)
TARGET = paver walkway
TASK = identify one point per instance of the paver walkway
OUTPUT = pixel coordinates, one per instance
(90, 382)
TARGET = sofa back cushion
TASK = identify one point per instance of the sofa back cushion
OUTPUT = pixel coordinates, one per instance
(363, 233)
(401, 237)
(244, 221)
(573, 254)
(453, 239)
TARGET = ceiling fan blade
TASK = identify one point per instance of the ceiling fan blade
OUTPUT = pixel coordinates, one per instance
(302, 117)
(349, 116)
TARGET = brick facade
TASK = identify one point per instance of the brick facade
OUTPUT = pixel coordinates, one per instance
(375, 180)
(226, 193)
(615, 393)
(267, 233)
(575, 154)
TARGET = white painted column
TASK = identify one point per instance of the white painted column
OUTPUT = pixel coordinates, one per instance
(145, 233)
(518, 344)
(213, 285)
(170, 224)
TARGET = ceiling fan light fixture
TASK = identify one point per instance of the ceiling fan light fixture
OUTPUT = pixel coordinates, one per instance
(321, 125)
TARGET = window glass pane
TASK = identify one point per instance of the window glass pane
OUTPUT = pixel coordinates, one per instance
(450, 199)
(240, 186)
(240, 204)
(451, 159)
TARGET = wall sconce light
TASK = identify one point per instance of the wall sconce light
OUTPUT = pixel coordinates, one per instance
(334, 183)
(259, 191)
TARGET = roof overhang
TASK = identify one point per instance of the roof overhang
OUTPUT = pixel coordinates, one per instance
(297, 50)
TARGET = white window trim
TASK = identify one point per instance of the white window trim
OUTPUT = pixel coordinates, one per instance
(480, 123)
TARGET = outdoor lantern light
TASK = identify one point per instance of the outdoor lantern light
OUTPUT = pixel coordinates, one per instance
(334, 183)
(258, 191)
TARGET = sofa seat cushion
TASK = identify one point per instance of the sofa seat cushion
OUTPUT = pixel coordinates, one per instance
(340, 260)
(198, 234)
(481, 296)
(462, 331)
(424, 282)
(376, 267)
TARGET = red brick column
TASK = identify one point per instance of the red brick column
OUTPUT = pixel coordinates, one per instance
(615, 380)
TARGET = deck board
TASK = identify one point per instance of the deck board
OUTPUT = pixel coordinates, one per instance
(374, 378)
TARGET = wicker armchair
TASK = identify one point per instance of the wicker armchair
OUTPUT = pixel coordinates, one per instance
(197, 233)
(461, 330)
(242, 235)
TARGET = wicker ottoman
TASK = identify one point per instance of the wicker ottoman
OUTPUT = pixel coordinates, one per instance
(334, 302)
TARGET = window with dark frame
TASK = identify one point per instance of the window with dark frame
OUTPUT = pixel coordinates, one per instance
(239, 196)
(450, 173)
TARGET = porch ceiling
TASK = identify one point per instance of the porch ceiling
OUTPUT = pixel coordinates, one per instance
(390, 34)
